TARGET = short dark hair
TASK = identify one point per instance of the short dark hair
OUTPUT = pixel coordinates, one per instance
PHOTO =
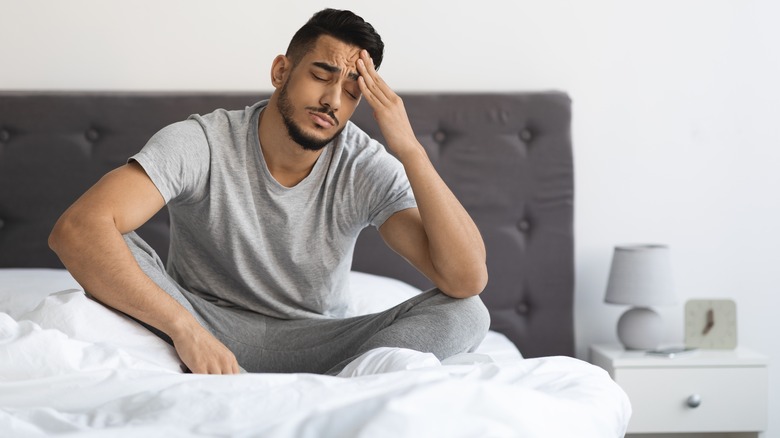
(345, 26)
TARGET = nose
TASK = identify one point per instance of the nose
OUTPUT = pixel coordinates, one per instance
(331, 98)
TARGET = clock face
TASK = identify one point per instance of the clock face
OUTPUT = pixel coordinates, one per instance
(711, 324)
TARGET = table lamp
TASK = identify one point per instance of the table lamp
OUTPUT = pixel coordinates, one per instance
(640, 276)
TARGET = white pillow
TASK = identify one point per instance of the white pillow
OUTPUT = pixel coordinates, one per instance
(22, 289)
(374, 293)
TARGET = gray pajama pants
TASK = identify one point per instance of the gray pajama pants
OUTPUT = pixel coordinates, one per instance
(430, 322)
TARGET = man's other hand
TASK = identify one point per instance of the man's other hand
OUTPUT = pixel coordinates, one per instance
(202, 353)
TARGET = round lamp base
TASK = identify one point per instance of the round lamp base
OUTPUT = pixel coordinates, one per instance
(640, 328)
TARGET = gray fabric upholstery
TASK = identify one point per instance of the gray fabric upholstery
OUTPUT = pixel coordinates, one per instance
(507, 157)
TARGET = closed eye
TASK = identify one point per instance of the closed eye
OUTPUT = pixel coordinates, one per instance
(319, 78)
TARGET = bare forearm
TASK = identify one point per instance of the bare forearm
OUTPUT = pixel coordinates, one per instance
(95, 253)
(455, 244)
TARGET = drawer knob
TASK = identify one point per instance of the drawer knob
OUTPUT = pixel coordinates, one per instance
(693, 401)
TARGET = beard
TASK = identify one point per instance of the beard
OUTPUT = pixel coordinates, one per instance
(306, 141)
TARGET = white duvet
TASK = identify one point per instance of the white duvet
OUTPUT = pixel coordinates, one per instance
(70, 366)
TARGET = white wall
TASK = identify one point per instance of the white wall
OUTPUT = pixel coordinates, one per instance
(676, 107)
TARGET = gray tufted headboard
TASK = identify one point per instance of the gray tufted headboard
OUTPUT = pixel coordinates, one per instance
(507, 157)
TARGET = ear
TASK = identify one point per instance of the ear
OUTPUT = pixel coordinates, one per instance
(280, 70)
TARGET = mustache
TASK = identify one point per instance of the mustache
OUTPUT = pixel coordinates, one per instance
(325, 111)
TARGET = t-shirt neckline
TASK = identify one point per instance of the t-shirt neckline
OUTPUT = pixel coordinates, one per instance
(275, 185)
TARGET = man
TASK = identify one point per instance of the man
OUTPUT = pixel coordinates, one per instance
(266, 205)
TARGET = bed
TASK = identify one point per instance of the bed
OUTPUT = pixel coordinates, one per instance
(71, 366)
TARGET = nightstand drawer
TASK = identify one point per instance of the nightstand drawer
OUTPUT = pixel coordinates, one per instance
(732, 398)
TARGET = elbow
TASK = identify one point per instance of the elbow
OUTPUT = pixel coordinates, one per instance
(59, 233)
(66, 233)
(467, 284)
(478, 282)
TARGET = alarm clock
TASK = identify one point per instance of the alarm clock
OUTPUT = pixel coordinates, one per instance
(711, 324)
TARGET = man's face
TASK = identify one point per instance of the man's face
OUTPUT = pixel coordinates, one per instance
(320, 93)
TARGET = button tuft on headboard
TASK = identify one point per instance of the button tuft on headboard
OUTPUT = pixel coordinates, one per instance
(524, 225)
(5, 135)
(439, 137)
(92, 134)
(522, 308)
(526, 135)
(2, 223)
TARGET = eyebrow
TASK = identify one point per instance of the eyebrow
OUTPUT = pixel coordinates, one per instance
(333, 69)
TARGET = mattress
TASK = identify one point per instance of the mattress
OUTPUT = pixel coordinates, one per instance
(69, 365)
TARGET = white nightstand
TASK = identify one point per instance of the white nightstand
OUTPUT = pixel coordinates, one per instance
(722, 392)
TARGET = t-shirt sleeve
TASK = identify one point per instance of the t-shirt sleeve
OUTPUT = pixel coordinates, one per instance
(386, 187)
(176, 159)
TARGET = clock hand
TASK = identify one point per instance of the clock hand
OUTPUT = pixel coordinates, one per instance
(710, 322)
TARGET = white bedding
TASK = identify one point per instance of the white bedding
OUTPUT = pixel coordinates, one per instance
(70, 366)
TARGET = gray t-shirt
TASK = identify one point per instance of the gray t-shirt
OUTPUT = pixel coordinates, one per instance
(239, 238)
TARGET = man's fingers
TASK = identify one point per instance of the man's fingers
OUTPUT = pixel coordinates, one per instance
(223, 362)
(371, 91)
(231, 366)
(202, 353)
(366, 81)
(370, 83)
(217, 366)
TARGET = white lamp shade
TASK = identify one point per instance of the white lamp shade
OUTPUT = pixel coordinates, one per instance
(641, 275)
